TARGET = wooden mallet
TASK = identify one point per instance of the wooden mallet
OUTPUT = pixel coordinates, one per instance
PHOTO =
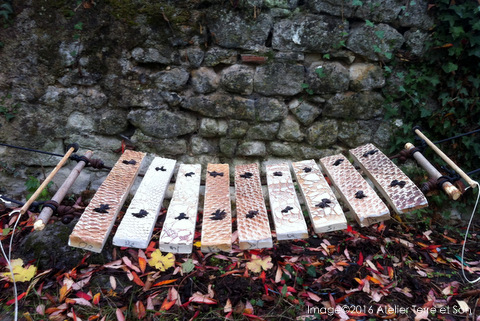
(447, 160)
(72, 148)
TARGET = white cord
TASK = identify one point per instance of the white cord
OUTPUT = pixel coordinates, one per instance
(466, 236)
(9, 258)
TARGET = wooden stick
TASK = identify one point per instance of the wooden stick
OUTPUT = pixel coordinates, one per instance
(460, 172)
(46, 181)
(47, 212)
(448, 187)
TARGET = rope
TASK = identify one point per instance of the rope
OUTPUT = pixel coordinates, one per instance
(466, 236)
(457, 136)
(95, 163)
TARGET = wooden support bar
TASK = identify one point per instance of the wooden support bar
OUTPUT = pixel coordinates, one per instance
(324, 210)
(447, 187)
(286, 211)
(136, 227)
(399, 191)
(217, 212)
(457, 169)
(47, 180)
(179, 227)
(252, 218)
(96, 222)
(357, 194)
(46, 213)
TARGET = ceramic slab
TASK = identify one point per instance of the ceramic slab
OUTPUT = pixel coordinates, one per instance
(137, 224)
(400, 192)
(252, 218)
(357, 194)
(286, 211)
(179, 226)
(95, 224)
(324, 210)
(217, 213)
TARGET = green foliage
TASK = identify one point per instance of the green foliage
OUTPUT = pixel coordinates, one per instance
(440, 92)
(8, 110)
(6, 11)
(31, 186)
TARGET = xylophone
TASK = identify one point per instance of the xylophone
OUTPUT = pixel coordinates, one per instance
(177, 236)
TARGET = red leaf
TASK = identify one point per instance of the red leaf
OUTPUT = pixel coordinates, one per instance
(12, 301)
(96, 298)
(83, 295)
(166, 305)
(151, 247)
(165, 282)
(252, 316)
(139, 310)
(137, 280)
(263, 276)
(360, 259)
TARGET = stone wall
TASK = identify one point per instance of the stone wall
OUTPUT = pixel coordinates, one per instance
(199, 81)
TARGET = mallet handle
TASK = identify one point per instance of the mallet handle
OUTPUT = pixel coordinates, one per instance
(46, 181)
(457, 169)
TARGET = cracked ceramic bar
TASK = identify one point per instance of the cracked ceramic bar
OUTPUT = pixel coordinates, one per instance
(252, 218)
(137, 224)
(355, 191)
(217, 213)
(179, 227)
(400, 192)
(324, 210)
(286, 211)
(97, 221)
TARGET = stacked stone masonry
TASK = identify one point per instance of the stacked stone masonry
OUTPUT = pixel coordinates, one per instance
(209, 82)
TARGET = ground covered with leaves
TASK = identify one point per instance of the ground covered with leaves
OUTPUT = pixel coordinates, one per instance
(400, 270)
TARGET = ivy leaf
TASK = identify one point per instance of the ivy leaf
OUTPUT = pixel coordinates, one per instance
(380, 34)
(357, 3)
(368, 23)
(161, 262)
(21, 274)
(449, 67)
(257, 264)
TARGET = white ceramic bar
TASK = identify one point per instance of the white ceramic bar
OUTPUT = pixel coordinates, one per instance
(92, 230)
(179, 227)
(324, 210)
(286, 211)
(136, 227)
(355, 191)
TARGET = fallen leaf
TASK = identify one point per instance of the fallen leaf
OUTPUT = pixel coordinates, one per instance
(139, 310)
(201, 298)
(64, 290)
(228, 306)
(164, 282)
(21, 274)
(166, 305)
(142, 263)
(12, 301)
(96, 298)
(161, 262)
(119, 314)
(257, 264)
(188, 266)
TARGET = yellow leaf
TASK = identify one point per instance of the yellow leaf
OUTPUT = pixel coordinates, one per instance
(257, 264)
(197, 244)
(21, 274)
(160, 261)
